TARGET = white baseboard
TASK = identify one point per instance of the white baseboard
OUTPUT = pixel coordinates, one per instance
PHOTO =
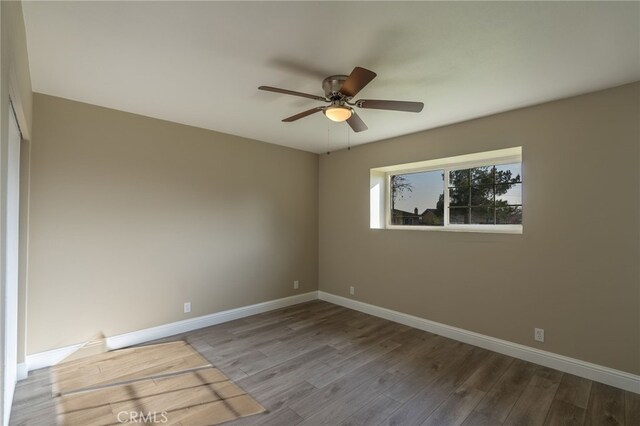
(48, 358)
(609, 376)
(598, 373)
(22, 371)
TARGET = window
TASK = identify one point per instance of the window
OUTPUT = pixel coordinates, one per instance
(476, 192)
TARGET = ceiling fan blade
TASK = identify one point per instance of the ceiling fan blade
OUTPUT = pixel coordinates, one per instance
(303, 114)
(356, 81)
(391, 105)
(356, 123)
(291, 92)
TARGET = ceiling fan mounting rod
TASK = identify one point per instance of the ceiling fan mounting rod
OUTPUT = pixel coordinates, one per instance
(332, 85)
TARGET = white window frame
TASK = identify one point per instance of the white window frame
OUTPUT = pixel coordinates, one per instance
(381, 211)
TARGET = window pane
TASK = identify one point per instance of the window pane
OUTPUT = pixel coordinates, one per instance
(506, 173)
(458, 215)
(482, 215)
(459, 196)
(482, 175)
(459, 178)
(510, 215)
(418, 199)
(482, 195)
(508, 194)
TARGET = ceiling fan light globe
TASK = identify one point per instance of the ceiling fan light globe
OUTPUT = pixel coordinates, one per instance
(338, 113)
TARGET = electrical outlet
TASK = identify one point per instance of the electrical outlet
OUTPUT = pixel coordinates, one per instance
(187, 307)
(352, 290)
(296, 284)
(539, 334)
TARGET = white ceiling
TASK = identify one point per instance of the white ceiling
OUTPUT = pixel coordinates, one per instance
(200, 63)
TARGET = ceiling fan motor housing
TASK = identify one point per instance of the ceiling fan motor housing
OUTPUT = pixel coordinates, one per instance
(332, 85)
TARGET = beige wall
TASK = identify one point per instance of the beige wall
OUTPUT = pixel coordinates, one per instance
(132, 216)
(574, 271)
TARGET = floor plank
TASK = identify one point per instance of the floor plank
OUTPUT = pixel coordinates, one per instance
(632, 408)
(569, 406)
(606, 406)
(459, 405)
(372, 413)
(496, 405)
(564, 414)
(533, 405)
(459, 366)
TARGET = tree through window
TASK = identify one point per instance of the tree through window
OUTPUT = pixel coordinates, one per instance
(488, 195)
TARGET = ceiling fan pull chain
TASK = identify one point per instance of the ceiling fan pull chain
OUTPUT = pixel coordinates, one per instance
(328, 131)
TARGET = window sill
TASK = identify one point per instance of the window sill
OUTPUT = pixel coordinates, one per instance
(486, 229)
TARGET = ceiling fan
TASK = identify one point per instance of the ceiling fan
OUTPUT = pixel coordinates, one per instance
(339, 90)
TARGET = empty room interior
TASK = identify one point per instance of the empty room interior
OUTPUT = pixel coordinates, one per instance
(319, 213)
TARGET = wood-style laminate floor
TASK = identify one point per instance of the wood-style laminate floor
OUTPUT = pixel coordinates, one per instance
(321, 364)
